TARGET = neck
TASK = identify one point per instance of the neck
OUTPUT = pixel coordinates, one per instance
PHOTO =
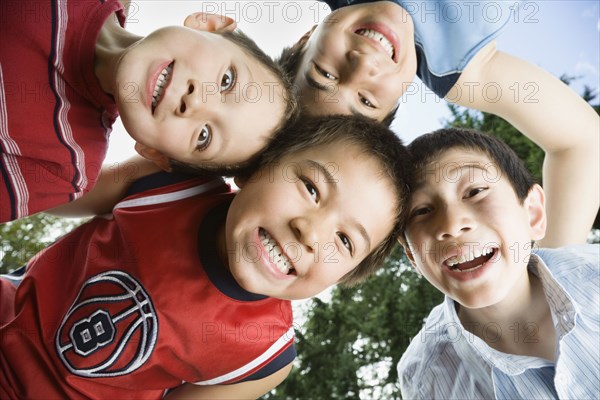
(113, 40)
(522, 322)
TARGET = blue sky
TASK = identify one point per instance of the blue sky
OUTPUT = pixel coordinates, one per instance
(565, 38)
(561, 36)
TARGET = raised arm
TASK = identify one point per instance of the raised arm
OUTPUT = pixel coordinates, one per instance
(112, 184)
(241, 391)
(557, 119)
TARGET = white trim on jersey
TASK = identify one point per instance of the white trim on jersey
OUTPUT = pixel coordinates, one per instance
(276, 347)
(169, 197)
(64, 105)
(9, 159)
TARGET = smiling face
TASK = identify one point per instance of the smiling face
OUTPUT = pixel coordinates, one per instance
(361, 59)
(468, 233)
(299, 226)
(196, 96)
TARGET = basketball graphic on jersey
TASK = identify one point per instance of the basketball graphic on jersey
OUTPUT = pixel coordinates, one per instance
(110, 329)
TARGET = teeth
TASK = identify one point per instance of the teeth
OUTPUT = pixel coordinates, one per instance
(161, 83)
(468, 257)
(275, 253)
(371, 34)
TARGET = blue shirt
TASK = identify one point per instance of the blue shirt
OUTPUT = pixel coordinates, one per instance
(448, 33)
(446, 361)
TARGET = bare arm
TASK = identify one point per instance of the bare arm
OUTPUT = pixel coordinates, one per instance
(557, 119)
(244, 390)
(112, 184)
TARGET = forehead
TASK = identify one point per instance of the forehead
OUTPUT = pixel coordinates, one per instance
(454, 166)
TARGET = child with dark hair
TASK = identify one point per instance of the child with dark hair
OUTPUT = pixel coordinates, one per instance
(364, 56)
(202, 94)
(186, 285)
(518, 321)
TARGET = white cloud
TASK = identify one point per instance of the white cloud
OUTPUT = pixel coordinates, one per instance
(586, 68)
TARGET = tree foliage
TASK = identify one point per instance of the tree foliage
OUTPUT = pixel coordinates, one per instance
(349, 346)
(22, 239)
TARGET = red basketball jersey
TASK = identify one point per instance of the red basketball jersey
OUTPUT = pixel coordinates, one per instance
(134, 303)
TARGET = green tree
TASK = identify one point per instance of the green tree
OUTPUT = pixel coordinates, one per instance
(22, 239)
(350, 345)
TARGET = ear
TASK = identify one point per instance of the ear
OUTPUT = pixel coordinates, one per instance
(302, 41)
(210, 22)
(409, 254)
(535, 206)
(154, 155)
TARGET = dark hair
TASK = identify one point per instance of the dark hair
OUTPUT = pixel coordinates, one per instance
(376, 141)
(290, 59)
(427, 147)
(249, 47)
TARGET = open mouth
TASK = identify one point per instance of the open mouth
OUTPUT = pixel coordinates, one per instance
(161, 85)
(471, 261)
(276, 254)
(377, 36)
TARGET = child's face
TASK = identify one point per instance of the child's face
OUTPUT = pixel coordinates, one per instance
(299, 226)
(359, 60)
(467, 231)
(218, 103)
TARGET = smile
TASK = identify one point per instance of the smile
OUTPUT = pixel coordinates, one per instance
(471, 261)
(379, 37)
(276, 254)
(161, 85)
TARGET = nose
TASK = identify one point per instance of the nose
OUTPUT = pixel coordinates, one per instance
(362, 65)
(310, 230)
(453, 222)
(193, 99)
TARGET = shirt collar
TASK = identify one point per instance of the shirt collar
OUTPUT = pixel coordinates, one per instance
(563, 311)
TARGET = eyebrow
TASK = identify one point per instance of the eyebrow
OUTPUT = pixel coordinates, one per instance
(330, 180)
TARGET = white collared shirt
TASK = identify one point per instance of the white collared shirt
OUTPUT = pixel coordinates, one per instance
(446, 361)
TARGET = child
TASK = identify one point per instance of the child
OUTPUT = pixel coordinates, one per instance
(363, 57)
(187, 282)
(69, 69)
(517, 322)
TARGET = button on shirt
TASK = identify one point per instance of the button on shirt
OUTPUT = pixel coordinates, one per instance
(446, 361)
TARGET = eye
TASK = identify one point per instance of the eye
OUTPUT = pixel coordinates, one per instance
(203, 138)
(346, 242)
(228, 80)
(474, 192)
(420, 211)
(325, 74)
(312, 190)
(366, 101)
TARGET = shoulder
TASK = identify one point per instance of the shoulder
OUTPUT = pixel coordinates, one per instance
(422, 356)
(581, 259)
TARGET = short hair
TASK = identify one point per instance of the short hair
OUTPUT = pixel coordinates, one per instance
(289, 61)
(249, 47)
(427, 147)
(376, 141)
